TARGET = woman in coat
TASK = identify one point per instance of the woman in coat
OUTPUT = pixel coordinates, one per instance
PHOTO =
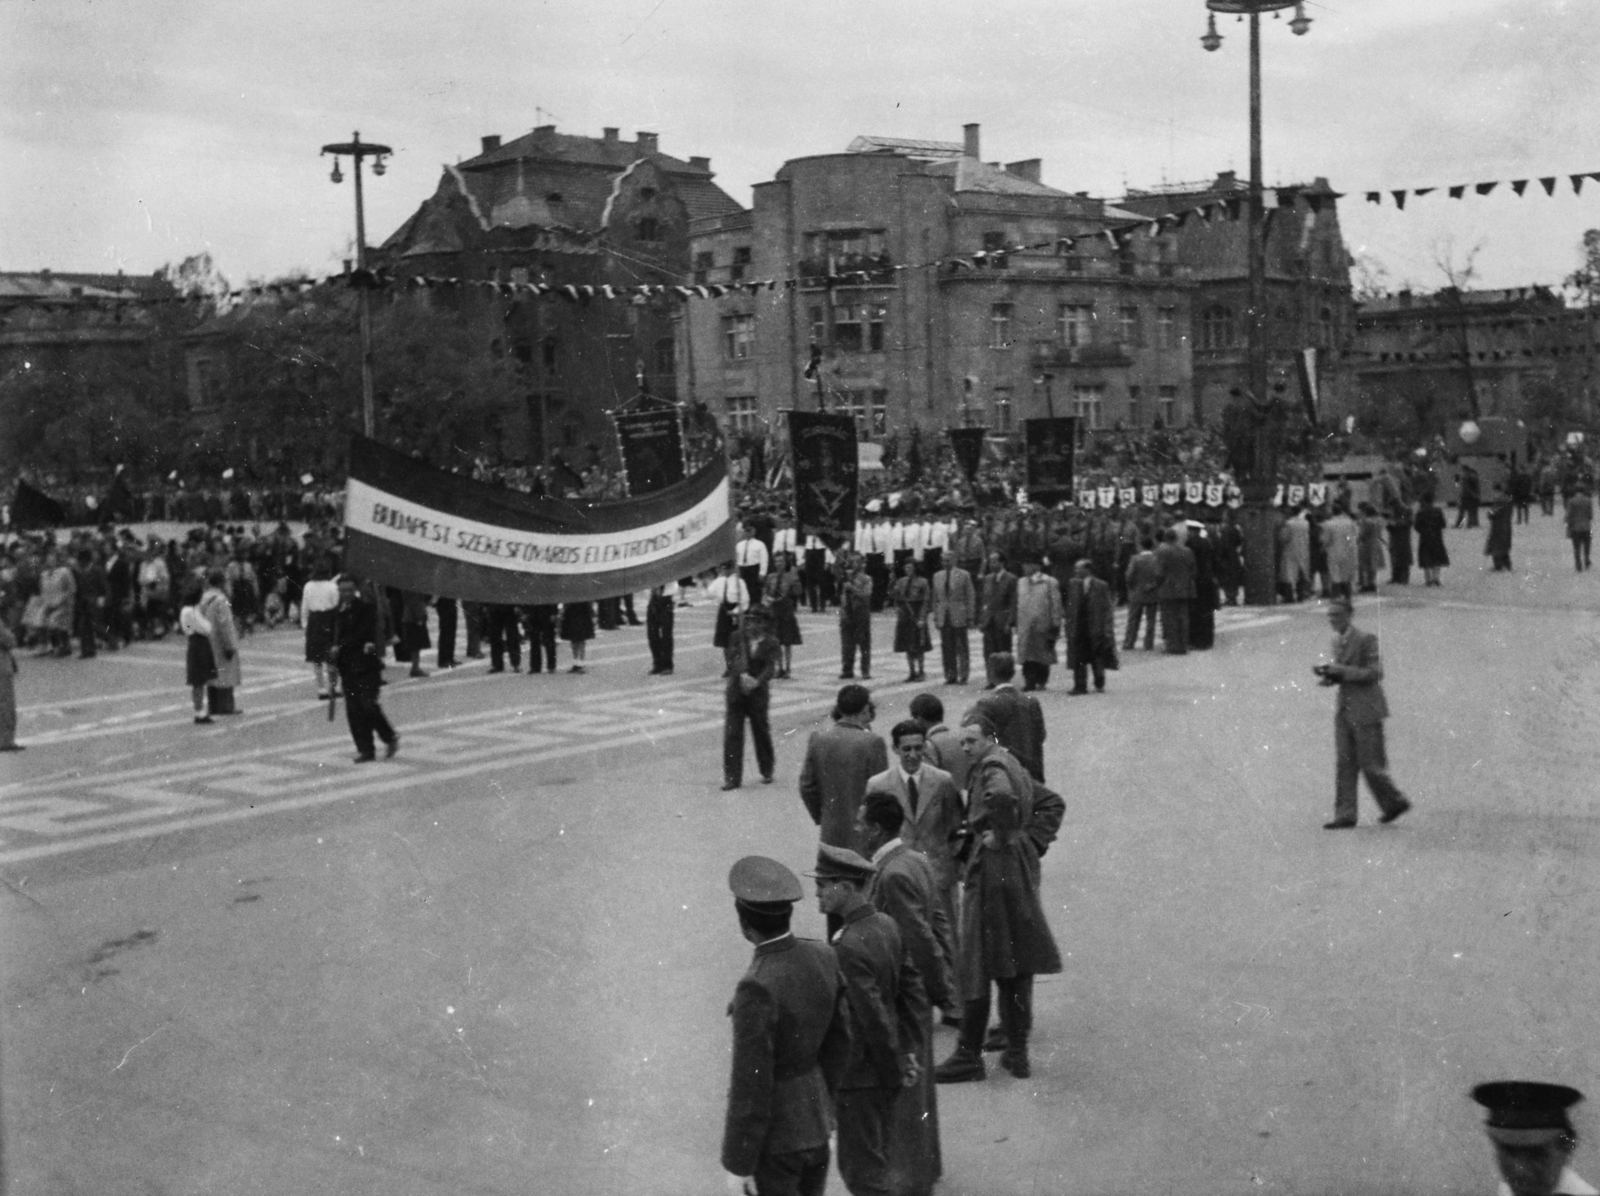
(58, 600)
(318, 600)
(783, 590)
(1369, 547)
(200, 666)
(1431, 554)
(216, 610)
(577, 628)
(911, 636)
(1497, 545)
(1339, 539)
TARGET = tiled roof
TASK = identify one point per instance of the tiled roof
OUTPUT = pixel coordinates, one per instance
(544, 144)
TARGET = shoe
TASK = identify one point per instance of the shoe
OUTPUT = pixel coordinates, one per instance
(866, 676)
(365, 758)
(1393, 814)
(961, 1067)
(1072, 693)
(911, 678)
(516, 668)
(996, 1040)
(1016, 1062)
(390, 748)
(202, 718)
(727, 785)
(416, 673)
(1099, 689)
(1339, 824)
(766, 778)
(847, 676)
(501, 669)
(322, 697)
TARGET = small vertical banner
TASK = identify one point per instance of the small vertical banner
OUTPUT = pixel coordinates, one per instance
(652, 448)
(967, 444)
(826, 473)
(1214, 494)
(1306, 365)
(1171, 493)
(1050, 445)
(1108, 497)
(1129, 496)
(1297, 495)
(1193, 492)
(1317, 493)
(1086, 499)
(1152, 495)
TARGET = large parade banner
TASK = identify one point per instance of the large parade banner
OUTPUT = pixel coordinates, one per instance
(826, 473)
(652, 448)
(967, 444)
(1050, 445)
(419, 528)
(32, 508)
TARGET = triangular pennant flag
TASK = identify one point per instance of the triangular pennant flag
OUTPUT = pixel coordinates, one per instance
(1577, 184)
(1595, 174)
(1549, 184)
(1375, 197)
(1458, 191)
(1399, 199)
(683, 292)
(1180, 219)
(1485, 188)
(1111, 237)
(1519, 185)
(719, 290)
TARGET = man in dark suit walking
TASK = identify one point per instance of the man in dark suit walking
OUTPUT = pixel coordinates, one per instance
(880, 981)
(998, 615)
(1175, 592)
(839, 762)
(1017, 717)
(1358, 718)
(357, 656)
(791, 1043)
(752, 654)
(1090, 628)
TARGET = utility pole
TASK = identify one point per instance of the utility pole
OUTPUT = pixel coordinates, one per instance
(356, 149)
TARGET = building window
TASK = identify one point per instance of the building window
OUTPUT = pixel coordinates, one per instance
(1000, 326)
(1166, 328)
(703, 262)
(858, 327)
(1075, 324)
(1088, 399)
(880, 413)
(819, 327)
(742, 415)
(1072, 263)
(869, 409)
(1167, 401)
(666, 357)
(205, 382)
(1125, 259)
(1002, 410)
(1216, 327)
(741, 263)
(1128, 329)
(649, 229)
(519, 276)
(1135, 400)
(877, 315)
(740, 334)
(846, 250)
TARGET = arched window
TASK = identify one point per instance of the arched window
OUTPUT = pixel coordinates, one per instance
(1216, 327)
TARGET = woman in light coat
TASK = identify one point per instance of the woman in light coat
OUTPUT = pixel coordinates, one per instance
(216, 610)
(58, 594)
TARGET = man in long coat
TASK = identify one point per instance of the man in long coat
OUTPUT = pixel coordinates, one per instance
(1038, 624)
(1340, 537)
(215, 609)
(791, 1042)
(998, 613)
(1006, 940)
(903, 886)
(1294, 566)
(839, 762)
(1091, 630)
(1175, 592)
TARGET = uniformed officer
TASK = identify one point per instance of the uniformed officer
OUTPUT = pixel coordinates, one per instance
(791, 1043)
(1533, 1138)
(885, 992)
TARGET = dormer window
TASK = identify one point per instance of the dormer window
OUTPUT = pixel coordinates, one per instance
(553, 197)
(649, 229)
(647, 192)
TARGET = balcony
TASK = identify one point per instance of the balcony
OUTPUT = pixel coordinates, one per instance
(850, 269)
(1051, 354)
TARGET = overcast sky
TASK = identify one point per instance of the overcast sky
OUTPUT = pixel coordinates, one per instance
(137, 132)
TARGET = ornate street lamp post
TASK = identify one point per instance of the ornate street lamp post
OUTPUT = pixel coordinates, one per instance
(1257, 519)
(356, 149)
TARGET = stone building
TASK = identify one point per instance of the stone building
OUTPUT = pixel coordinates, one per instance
(855, 239)
(50, 320)
(1420, 356)
(1307, 277)
(563, 209)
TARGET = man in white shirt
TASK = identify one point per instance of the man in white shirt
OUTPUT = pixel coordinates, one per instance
(750, 555)
(878, 555)
(935, 542)
(784, 539)
(732, 599)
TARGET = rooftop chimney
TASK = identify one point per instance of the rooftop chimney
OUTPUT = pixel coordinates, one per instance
(544, 129)
(699, 163)
(970, 140)
(645, 141)
(610, 134)
(491, 143)
(1028, 168)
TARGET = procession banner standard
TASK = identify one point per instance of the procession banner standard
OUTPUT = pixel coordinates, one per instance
(967, 443)
(1050, 444)
(652, 449)
(33, 508)
(419, 528)
(826, 471)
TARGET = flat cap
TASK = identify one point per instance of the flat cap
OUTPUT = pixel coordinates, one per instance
(840, 863)
(1526, 1113)
(757, 881)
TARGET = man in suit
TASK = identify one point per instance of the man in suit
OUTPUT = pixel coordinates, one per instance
(1175, 592)
(659, 615)
(1358, 718)
(1580, 525)
(1144, 584)
(1090, 628)
(932, 807)
(358, 656)
(940, 747)
(839, 763)
(999, 614)
(540, 619)
(1017, 718)
(855, 619)
(791, 1043)
(903, 886)
(753, 655)
(954, 606)
(878, 977)
(1038, 623)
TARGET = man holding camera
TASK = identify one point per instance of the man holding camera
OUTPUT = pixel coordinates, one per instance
(1358, 718)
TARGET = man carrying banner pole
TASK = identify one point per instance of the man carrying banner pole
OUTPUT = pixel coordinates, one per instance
(355, 655)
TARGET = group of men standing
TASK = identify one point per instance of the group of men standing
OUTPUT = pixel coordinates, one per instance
(927, 871)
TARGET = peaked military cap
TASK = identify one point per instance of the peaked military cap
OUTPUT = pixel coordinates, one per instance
(840, 863)
(1525, 1113)
(760, 883)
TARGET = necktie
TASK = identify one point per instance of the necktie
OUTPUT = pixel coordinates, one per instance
(911, 793)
